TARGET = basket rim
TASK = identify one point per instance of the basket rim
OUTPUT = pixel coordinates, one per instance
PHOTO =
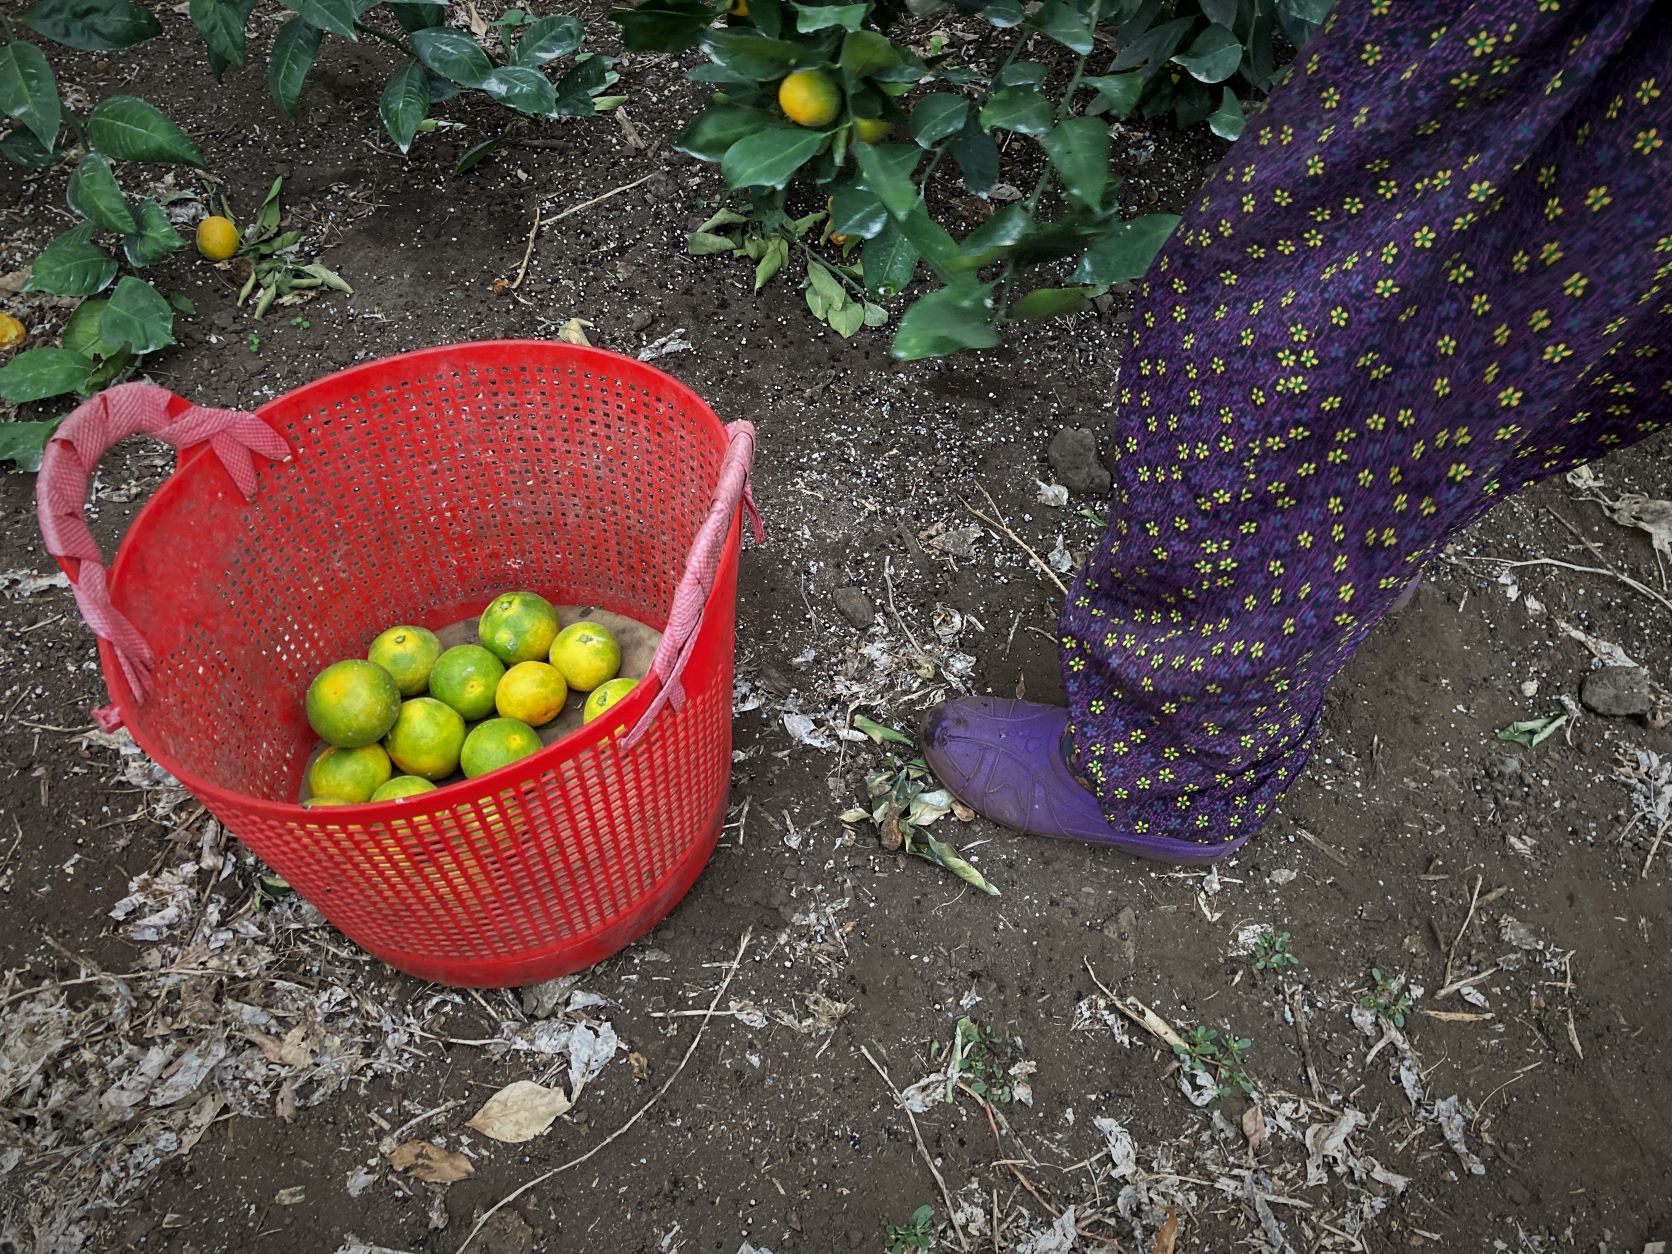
(401, 808)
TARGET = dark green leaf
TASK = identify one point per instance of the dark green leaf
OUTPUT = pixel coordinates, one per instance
(222, 23)
(1213, 56)
(888, 173)
(864, 52)
(1047, 302)
(155, 239)
(936, 117)
(663, 25)
(943, 854)
(416, 15)
(22, 148)
(747, 52)
(709, 72)
(846, 319)
(43, 372)
(522, 88)
(1224, 12)
(817, 17)
(81, 332)
(477, 153)
(72, 265)
(1227, 121)
(547, 39)
(335, 16)
(579, 84)
(453, 55)
(1023, 109)
(1064, 24)
(137, 318)
(23, 443)
(930, 238)
(993, 239)
(881, 733)
(1004, 13)
(28, 91)
(857, 211)
(292, 56)
(117, 366)
(128, 129)
(405, 102)
(890, 261)
(94, 194)
(954, 318)
(1020, 74)
(1079, 149)
(977, 157)
(182, 303)
(1300, 19)
(1152, 48)
(704, 244)
(1118, 92)
(91, 25)
(770, 157)
(718, 127)
(1192, 102)
(1126, 252)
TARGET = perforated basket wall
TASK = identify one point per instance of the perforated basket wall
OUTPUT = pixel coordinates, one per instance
(420, 487)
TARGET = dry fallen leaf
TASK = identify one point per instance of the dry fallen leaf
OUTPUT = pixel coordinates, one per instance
(478, 25)
(1168, 1233)
(500, 286)
(520, 1111)
(574, 332)
(640, 1065)
(291, 1196)
(295, 1050)
(431, 1163)
(1254, 1127)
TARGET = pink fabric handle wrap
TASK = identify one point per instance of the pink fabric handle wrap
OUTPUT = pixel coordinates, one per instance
(702, 563)
(96, 426)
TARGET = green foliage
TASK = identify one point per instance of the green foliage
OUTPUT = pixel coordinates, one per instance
(916, 1234)
(278, 274)
(979, 1059)
(106, 336)
(1388, 998)
(1272, 952)
(1041, 254)
(1220, 1058)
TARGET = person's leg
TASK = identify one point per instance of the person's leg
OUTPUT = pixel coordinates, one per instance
(1427, 276)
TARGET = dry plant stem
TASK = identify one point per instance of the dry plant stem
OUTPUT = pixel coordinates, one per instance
(994, 522)
(888, 583)
(922, 1149)
(1660, 835)
(1629, 582)
(731, 970)
(1301, 1033)
(533, 230)
(1451, 954)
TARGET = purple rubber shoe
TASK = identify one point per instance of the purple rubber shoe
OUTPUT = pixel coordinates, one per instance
(1004, 759)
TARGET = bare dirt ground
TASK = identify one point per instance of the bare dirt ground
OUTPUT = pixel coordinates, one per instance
(186, 1066)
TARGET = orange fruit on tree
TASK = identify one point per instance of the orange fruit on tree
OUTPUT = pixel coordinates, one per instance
(217, 237)
(587, 654)
(352, 703)
(496, 743)
(426, 738)
(606, 695)
(407, 653)
(810, 98)
(465, 677)
(352, 774)
(532, 693)
(518, 627)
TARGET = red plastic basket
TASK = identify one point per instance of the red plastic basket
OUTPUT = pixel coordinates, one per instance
(416, 488)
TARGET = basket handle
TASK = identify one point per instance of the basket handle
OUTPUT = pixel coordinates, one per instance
(702, 564)
(91, 430)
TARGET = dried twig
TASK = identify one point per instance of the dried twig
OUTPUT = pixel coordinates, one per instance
(995, 523)
(1660, 835)
(1629, 582)
(731, 970)
(534, 230)
(946, 1194)
(1451, 954)
(1299, 1011)
(1139, 1013)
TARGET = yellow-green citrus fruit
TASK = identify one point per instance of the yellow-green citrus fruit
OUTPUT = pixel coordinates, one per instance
(518, 627)
(587, 655)
(403, 786)
(352, 774)
(426, 738)
(407, 653)
(532, 693)
(606, 695)
(217, 237)
(496, 743)
(465, 678)
(871, 130)
(315, 802)
(353, 703)
(810, 98)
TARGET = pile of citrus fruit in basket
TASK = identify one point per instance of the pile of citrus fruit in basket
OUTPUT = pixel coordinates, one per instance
(412, 714)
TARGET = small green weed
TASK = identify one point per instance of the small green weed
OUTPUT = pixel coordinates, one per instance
(1221, 1058)
(301, 322)
(254, 342)
(914, 1235)
(1387, 998)
(1272, 952)
(979, 1058)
